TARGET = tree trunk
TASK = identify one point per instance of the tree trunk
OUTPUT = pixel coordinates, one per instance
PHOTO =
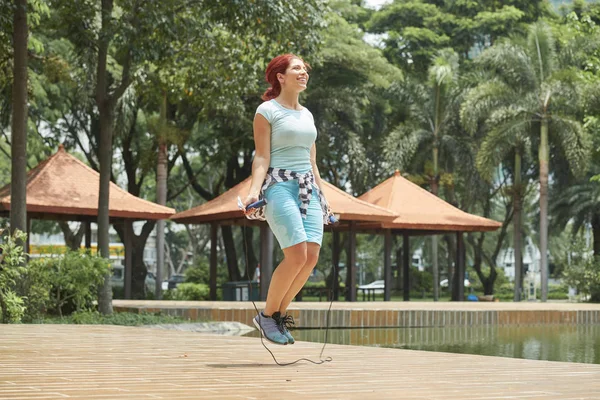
(251, 261)
(161, 196)
(451, 259)
(517, 241)
(72, 239)
(230, 253)
(434, 239)
(335, 268)
(596, 234)
(543, 158)
(106, 116)
(138, 266)
(398, 247)
(18, 183)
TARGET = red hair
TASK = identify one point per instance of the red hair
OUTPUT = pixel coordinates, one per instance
(278, 65)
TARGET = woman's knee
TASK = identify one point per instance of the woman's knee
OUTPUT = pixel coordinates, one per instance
(312, 255)
(296, 253)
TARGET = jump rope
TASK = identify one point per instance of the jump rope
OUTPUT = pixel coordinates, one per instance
(332, 221)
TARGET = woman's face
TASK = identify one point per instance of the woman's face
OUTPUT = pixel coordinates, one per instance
(295, 77)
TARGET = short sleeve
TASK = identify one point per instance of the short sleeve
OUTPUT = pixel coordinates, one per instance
(266, 111)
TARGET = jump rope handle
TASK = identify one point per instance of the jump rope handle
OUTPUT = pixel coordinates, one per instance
(333, 220)
(257, 204)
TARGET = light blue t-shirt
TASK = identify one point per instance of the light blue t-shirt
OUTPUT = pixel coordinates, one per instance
(293, 133)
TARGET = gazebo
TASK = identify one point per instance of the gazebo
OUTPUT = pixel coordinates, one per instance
(224, 210)
(64, 188)
(420, 212)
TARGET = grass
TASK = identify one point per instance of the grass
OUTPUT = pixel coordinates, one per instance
(120, 318)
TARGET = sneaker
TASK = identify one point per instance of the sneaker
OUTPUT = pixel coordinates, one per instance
(270, 329)
(286, 322)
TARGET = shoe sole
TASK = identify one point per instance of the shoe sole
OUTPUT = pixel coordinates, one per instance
(260, 329)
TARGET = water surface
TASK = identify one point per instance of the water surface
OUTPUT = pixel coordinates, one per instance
(549, 342)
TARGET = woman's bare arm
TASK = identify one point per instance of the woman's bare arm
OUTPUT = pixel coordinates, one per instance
(313, 162)
(262, 156)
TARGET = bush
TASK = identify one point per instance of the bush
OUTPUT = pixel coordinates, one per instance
(11, 270)
(189, 292)
(72, 280)
(197, 274)
(421, 281)
(558, 292)
(584, 275)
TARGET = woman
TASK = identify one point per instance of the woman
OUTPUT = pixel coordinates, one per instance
(285, 173)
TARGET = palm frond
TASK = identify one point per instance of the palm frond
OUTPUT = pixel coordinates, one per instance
(402, 144)
(542, 50)
(511, 63)
(509, 127)
(444, 68)
(481, 100)
(573, 140)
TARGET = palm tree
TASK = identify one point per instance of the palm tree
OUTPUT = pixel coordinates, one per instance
(427, 128)
(489, 105)
(533, 100)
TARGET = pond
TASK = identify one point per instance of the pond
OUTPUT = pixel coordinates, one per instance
(550, 342)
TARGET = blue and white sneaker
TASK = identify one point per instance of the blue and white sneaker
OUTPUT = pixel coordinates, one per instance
(270, 328)
(286, 322)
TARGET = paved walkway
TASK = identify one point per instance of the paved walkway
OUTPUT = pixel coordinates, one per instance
(110, 362)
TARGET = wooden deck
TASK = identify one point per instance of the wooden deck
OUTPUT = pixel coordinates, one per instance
(111, 362)
(380, 314)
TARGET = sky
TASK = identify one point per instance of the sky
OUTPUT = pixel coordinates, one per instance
(376, 3)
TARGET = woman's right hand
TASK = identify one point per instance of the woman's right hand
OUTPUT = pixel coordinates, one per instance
(251, 198)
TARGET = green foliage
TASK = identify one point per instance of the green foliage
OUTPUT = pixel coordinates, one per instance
(501, 285)
(12, 268)
(13, 307)
(418, 28)
(118, 318)
(421, 281)
(583, 270)
(189, 292)
(197, 274)
(72, 280)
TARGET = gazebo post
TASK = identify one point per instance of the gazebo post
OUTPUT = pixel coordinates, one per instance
(406, 274)
(266, 259)
(460, 266)
(128, 257)
(351, 264)
(88, 234)
(335, 260)
(387, 264)
(214, 229)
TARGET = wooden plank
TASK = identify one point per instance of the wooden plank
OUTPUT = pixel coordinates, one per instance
(126, 363)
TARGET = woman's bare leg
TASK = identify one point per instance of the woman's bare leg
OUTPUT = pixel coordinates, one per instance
(312, 256)
(293, 261)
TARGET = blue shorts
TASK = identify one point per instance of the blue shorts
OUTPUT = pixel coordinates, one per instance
(283, 215)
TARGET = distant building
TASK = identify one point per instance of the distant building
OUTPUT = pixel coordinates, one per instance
(531, 261)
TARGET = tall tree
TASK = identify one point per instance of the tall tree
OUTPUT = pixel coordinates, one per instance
(484, 111)
(18, 183)
(416, 29)
(542, 109)
(426, 131)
